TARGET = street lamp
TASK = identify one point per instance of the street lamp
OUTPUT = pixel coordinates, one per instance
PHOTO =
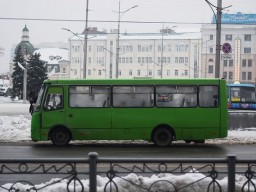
(24, 77)
(162, 47)
(118, 33)
(82, 40)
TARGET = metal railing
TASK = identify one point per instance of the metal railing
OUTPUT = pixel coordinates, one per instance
(82, 174)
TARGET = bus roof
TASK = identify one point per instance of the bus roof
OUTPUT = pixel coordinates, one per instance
(241, 85)
(131, 81)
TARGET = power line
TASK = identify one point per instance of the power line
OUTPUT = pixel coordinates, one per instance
(99, 21)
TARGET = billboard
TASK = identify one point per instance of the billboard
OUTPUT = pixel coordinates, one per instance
(238, 18)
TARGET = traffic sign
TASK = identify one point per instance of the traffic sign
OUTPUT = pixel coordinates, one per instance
(226, 48)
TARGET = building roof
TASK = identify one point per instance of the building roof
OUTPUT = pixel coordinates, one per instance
(143, 36)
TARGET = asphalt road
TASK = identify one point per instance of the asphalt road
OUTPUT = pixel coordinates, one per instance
(179, 150)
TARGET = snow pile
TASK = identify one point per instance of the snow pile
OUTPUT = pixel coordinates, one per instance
(14, 128)
(192, 182)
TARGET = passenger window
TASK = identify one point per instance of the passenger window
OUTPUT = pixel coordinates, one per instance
(208, 96)
(89, 96)
(133, 96)
(176, 96)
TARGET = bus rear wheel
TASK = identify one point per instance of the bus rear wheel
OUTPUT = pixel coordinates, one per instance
(60, 136)
(162, 136)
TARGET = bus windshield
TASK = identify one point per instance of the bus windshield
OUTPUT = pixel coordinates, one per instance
(242, 94)
(39, 98)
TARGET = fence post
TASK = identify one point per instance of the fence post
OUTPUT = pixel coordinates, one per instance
(93, 171)
(231, 173)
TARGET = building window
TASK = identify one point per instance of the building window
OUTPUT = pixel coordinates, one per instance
(150, 72)
(249, 75)
(225, 63)
(243, 75)
(211, 37)
(230, 74)
(130, 72)
(100, 49)
(231, 63)
(138, 73)
(225, 75)
(176, 72)
(228, 37)
(89, 72)
(247, 37)
(139, 48)
(211, 50)
(249, 63)
(210, 69)
(247, 50)
(159, 72)
(243, 63)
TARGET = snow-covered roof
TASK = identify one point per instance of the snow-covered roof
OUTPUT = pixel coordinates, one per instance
(194, 34)
(52, 55)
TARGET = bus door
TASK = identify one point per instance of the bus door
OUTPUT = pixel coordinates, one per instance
(53, 108)
(89, 112)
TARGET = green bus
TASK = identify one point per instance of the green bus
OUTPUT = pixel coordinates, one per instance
(157, 110)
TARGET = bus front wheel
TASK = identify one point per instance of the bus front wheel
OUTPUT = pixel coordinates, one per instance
(60, 136)
(162, 136)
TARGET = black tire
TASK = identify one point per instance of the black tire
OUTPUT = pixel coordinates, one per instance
(162, 137)
(60, 136)
(188, 141)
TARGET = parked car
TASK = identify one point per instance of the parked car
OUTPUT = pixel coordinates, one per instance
(5, 91)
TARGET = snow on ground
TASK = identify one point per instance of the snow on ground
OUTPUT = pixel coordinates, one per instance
(16, 128)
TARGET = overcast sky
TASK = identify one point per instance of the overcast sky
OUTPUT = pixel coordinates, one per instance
(181, 13)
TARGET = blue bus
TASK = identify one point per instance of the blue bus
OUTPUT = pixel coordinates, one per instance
(241, 96)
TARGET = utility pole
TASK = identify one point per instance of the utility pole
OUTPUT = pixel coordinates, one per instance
(85, 40)
(118, 35)
(162, 47)
(218, 39)
(117, 43)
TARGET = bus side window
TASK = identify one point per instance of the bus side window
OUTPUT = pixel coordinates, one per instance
(208, 96)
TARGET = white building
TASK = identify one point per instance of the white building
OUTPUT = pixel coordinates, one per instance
(143, 55)
(239, 31)
(56, 62)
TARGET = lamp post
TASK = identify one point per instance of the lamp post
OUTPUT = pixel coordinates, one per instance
(206, 54)
(162, 47)
(118, 37)
(24, 68)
